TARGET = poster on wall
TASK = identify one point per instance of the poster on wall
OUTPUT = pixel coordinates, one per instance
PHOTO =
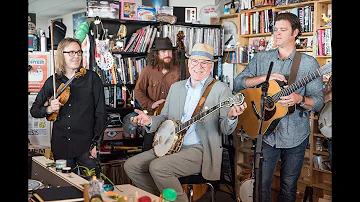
(39, 68)
(77, 19)
(38, 128)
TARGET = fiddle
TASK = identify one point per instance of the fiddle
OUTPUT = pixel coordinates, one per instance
(63, 91)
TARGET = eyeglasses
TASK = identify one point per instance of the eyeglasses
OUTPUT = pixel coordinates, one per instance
(203, 63)
(72, 53)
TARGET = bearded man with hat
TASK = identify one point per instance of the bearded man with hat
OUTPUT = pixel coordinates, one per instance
(201, 150)
(152, 87)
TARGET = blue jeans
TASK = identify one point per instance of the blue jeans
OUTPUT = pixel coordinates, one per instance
(291, 164)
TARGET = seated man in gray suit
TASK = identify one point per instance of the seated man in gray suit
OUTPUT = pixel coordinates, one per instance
(201, 150)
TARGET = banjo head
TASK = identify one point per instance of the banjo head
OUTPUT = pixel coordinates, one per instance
(325, 120)
(164, 138)
(246, 190)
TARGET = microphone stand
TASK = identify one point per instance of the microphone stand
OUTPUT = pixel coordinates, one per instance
(258, 152)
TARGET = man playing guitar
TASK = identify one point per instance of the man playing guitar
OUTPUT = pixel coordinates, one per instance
(162, 70)
(288, 140)
(201, 150)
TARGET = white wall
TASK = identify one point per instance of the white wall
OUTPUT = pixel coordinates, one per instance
(67, 19)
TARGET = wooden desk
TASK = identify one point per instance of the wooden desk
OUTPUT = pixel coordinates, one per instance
(49, 175)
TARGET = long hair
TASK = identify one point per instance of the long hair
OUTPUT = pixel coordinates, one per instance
(60, 61)
(152, 58)
(293, 19)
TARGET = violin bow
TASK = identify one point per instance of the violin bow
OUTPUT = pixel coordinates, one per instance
(53, 56)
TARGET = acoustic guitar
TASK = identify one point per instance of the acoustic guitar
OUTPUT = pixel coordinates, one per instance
(250, 118)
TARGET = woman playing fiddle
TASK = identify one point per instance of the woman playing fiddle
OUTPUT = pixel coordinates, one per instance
(83, 114)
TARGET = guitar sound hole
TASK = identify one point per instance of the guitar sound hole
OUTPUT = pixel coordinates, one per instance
(269, 103)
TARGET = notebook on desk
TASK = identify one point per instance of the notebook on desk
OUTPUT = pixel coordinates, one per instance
(60, 194)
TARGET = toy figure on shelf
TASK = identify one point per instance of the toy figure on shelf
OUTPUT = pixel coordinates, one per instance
(262, 44)
(326, 19)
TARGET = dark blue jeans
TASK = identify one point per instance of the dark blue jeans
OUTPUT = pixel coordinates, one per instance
(83, 160)
(291, 163)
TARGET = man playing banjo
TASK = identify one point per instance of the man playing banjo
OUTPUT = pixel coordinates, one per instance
(201, 150)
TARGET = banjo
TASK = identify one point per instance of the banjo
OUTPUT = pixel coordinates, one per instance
(325, 117)
(170, 135)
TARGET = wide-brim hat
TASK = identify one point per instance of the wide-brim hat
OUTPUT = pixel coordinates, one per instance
(162, 44)
(202, 51)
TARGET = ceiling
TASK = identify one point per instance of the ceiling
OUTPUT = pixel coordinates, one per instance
(47, 9)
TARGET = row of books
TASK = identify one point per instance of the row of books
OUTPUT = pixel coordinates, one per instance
(287, 2)
(256, 22)
(118, 96)
(194, 35)
(323, 42)
(306, 16)
(263, 21)
(126, 70)
(142, 39)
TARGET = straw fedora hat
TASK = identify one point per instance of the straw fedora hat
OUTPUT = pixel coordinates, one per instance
(202, 51)
(162, 44)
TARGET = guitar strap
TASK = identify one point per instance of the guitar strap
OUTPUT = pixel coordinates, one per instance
(293, 72)
(203, 98)
(294, 67)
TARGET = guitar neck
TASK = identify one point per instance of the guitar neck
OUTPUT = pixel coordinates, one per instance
(298, 84)
(197, 118)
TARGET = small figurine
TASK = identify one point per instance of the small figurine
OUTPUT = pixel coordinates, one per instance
(262, 44)
(326, 19)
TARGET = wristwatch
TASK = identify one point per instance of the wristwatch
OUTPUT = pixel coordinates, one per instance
(302, 103)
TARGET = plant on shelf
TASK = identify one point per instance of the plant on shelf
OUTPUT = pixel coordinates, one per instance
(91, 172)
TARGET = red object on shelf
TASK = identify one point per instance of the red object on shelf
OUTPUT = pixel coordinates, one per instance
(144, 199)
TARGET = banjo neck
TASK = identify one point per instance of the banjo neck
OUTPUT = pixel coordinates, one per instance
(197, 118)
(238, 99)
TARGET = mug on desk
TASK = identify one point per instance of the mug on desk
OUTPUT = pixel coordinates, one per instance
(60, 164)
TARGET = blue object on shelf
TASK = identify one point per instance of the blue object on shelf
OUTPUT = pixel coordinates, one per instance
(108, 187)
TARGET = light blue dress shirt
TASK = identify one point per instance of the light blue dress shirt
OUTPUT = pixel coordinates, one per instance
(193, 96)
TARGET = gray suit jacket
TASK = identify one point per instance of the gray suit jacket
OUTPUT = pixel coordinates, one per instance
(209, 130)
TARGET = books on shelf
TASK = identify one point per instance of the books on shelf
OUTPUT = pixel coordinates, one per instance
(141, 39)
(209, 35)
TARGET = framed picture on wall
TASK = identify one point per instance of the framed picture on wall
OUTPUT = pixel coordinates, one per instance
(227, 7)
(129, 10)
(155, 3)
(77, 19)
